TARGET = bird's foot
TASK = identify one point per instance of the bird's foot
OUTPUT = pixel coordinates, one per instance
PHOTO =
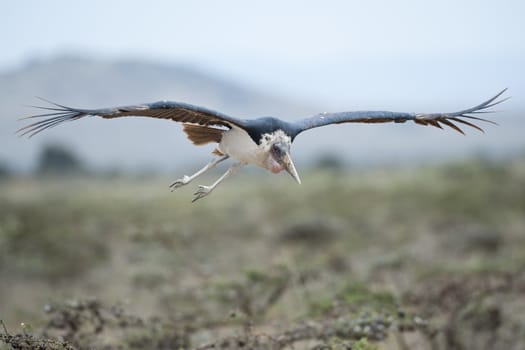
(202, 191)
(180, 182)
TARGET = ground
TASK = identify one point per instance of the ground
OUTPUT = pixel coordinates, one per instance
(397, 258)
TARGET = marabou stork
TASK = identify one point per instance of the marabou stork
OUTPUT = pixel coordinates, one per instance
(264, 142)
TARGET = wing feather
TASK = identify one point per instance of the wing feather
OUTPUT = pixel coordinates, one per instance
(176, 111)
(432, 119)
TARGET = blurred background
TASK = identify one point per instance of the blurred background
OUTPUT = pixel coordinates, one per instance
(399, 210)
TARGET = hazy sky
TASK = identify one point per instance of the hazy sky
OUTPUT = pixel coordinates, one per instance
(307, 49)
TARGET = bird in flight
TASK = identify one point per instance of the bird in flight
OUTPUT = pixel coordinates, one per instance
(264, 142)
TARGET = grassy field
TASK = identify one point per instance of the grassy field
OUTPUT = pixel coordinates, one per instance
(411, 258)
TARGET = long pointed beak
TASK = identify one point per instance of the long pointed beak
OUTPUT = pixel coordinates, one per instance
(290, 167)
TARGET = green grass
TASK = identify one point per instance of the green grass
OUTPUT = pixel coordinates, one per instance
(262, 249)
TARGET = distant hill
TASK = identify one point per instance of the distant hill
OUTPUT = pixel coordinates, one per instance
(140, 143)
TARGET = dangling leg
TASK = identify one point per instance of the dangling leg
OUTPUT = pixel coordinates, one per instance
(203, 191)
(187, 179)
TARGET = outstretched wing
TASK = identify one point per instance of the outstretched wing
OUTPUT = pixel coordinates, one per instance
(465, 117)
(176, 111)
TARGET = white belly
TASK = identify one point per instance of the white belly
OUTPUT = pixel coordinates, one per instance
(237, 144)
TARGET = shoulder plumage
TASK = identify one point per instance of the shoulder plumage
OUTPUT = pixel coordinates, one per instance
(256, 128)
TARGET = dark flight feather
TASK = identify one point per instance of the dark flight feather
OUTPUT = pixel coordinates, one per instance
(176, 111)
(432, 119)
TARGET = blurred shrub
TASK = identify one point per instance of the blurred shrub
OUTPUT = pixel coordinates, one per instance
(58, 159)
(329, 161)
(313, 232)
(5, 171)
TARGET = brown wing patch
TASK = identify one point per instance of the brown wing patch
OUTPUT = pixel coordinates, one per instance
(217, 152)
(201, 135)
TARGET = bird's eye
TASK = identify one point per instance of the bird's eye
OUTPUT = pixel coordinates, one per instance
(267, 137)
(278, 151)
